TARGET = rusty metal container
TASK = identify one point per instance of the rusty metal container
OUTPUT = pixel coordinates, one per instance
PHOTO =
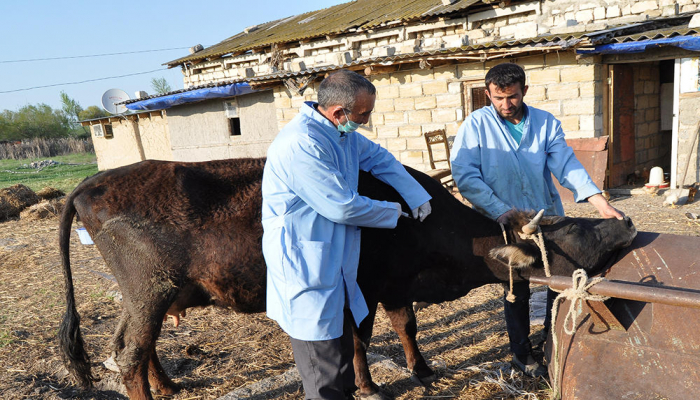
(645, 348)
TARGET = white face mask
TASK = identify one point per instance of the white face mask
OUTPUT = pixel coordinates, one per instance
(349, 126)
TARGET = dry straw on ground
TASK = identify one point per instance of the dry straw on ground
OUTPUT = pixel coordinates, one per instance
(44, 209)
(14, 199)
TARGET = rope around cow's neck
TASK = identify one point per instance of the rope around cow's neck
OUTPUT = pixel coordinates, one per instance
(539, 240)
(576, 295)
(510, 297)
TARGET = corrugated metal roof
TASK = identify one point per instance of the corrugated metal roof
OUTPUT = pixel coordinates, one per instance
(541, 42)
(658, 34)
(659, 27)
(355, 15)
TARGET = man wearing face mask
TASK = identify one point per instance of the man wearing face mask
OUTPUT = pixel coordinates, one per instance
(311, 214)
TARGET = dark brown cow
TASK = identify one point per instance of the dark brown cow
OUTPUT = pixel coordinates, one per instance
(179, 235)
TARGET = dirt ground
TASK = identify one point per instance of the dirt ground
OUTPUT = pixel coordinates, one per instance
(214, 352)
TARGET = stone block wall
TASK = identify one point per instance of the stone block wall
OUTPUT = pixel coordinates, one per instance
(411, 103)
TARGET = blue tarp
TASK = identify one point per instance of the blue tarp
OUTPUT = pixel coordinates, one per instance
(191, 96)
(691, 43)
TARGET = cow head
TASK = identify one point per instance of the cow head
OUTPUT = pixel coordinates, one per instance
(571, 243)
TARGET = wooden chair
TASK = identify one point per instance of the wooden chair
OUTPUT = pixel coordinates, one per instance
(439, 137)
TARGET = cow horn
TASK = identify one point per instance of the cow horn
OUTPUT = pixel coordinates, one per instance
(531, 227)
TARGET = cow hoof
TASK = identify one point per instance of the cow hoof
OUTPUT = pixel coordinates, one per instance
(163, 386)
(167, 390)
(424, 380)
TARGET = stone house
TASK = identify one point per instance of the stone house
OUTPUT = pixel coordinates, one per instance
(622, 72)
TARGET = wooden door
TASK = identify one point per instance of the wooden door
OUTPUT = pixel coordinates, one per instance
(621, 124)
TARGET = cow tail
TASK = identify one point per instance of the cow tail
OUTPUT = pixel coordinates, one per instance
(70, 339)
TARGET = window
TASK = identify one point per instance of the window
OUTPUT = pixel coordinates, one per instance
(234, 122)
(475, 97)
(103, 130)
(479, 98)
(98, 131)
(234, 126)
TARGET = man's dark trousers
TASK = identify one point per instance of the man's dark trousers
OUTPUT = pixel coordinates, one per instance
(326, 366)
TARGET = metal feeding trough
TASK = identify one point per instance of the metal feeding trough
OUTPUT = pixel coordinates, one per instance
(644, 342)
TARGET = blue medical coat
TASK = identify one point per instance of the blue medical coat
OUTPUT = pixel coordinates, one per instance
(311, 213)
(495, 173)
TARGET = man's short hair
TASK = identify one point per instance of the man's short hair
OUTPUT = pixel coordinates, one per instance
(504, 75)
(342, 88)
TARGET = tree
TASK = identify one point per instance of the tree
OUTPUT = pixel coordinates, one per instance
(92, 112)
(160, 85)
(72, 110)
(8, 131)
(42, 121)
(38, 121)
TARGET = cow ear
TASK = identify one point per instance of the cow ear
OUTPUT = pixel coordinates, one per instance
(519, 255)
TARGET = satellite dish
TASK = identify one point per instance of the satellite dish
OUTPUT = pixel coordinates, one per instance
(114, 96)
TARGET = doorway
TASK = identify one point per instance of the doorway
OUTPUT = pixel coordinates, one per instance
(621, 161)
(638, 120)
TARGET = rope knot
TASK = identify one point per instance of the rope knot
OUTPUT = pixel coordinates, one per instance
(576, 294)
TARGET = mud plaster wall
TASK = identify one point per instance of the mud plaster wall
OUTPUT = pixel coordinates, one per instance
(201, 131)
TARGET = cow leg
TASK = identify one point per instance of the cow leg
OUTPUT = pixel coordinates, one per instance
(132, 358)
(363, 379)
(146, 265)
(403, 320)
(135, 354)
(160, 382)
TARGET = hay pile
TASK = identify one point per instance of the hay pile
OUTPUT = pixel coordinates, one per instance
(14, 199)
(45, 209)
(19, 200)
(48, 193)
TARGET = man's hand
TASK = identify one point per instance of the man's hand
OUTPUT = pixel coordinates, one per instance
(506, 216)
(422, 212)
(604, 208)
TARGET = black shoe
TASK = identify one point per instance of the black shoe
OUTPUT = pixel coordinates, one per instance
(532, 368)
(538, 341)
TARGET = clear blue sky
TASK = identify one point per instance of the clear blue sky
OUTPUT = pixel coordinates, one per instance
(51, 29)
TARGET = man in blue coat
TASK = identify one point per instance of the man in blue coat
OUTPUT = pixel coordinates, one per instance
(311, 217)
(503, 159)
